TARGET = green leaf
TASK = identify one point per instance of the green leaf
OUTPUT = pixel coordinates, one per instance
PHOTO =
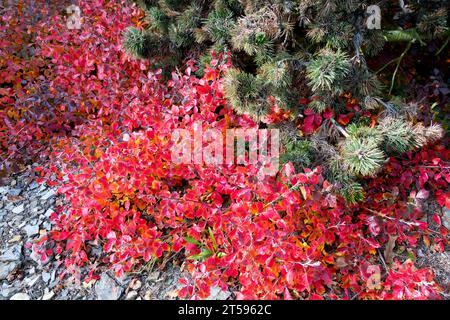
(204, 254)
(192, 240)
(213, 239)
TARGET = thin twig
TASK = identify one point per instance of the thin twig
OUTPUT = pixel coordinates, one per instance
(398, 65)
(443, 46)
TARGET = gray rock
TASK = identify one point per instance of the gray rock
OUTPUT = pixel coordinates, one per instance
(46, 277)
(131, 295)
(33, 185)
(33, 204)
(30, 282)
(49, 194)
(7, 290)
(20, 296)
(31, 230)
(48, 212)
(107, 289)
(6, 268)
(12, 253)
(446, 218)
(10, 260)
(14, 192)
(48, 295)
(18, 209)
(218, 294)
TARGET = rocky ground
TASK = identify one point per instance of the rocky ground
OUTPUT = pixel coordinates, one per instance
(25, 209)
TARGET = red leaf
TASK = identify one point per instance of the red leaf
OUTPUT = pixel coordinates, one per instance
(344, 119)
(437, 219)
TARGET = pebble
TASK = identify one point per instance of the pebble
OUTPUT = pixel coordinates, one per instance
(131, 295)
(135, 284)
(107, 289)
(47, 225)
(446, 218)
(46, 277)
(33, 185)
(218, 294)
(31, 230)
(6, 268)
(20, 296)
(12, 253)
(30, 282)
(153, 276)
(16, 238)
(48, 212)
(48, 194)
(14, 192)
(33, 204)
(7, 290)
(18, 209)
(48, 295)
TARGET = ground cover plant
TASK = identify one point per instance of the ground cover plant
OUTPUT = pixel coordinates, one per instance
(363, 181)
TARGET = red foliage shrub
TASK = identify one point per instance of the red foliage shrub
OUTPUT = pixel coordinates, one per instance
(283, 237)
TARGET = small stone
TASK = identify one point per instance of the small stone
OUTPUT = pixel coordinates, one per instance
(107, 289)
(20, 296)
(18, 209)
(446, 218)
(31, 230)
(13, 183)
(12, 253)
(30, 282)
(48, 194)
(135, 284)
(33, 185)
(6, 268)
(48, 213)
(8, 290)
(47, 226)
(53, 275)
(16, 238)
(48, 295)
(21, 225)
(148, 295)
(153, 276)
(14, 192)
(131, 295)
(218, 294)
(46, 277)
(33, 204)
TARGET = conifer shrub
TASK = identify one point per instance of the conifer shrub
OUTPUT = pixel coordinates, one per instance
(303, 57)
